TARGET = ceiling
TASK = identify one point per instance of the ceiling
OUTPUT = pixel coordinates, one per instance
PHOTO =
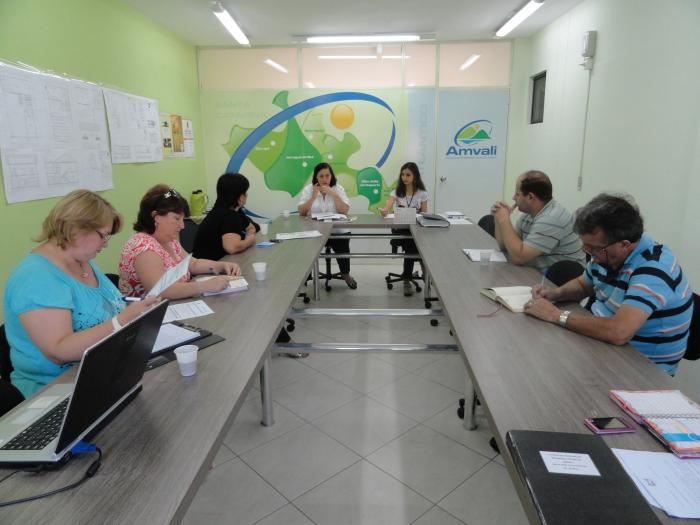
(277, 22)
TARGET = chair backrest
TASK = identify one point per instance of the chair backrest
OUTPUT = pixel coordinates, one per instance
(188, 233)
(562, 272)
(114, 278)
(488, 224)
(5, 362)
(692, 351)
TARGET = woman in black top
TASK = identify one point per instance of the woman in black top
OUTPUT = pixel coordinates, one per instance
(226, 229)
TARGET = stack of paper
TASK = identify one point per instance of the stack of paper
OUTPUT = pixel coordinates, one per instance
(236, 284)
(172, 335)
(298, 235)
(455, 217)
(329, 216)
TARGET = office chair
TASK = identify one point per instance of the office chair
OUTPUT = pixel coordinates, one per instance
(392, 278)
(188, 233)
(488, 224)
(692, 351)
(562, 272)
(329, 276)
(114, 278)
(10, 396)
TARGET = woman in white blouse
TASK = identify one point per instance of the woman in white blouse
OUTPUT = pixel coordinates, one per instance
(325, 195)
(409, 193)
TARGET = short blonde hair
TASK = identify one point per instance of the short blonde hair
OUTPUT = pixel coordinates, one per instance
(81, 211)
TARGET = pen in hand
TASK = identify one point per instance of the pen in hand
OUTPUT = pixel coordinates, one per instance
(130, 299)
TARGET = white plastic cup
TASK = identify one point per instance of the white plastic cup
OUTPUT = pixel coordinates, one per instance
(285, 214)
(260, 270)
(485, 257)
(263, 228)
(187, 359)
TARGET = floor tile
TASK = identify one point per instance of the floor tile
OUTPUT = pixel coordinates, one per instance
(410, 362)
(366, 373)
(247, 432)
(437, 516)
(486, 498)
(322, 360)
(362, 494)
(447, 422)
(299, 460)
(428, 462)
(435, 334)
(448, 371)
(364, 425)
(314, 396)
(287, 515)
(285, 371)
(222, 456)
(415, 397)
(233, 493)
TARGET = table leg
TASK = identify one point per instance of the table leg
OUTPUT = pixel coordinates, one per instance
(314, 275)
(266, 394)
(470, 424)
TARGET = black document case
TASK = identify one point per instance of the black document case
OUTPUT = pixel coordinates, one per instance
(611, 498)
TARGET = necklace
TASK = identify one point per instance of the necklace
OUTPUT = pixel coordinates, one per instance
(83, 271)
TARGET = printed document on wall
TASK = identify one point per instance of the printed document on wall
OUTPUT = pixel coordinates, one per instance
(134, 127)
(53, 137)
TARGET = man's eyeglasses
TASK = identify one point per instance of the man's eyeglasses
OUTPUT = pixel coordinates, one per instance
(104, 236)
(595, 251)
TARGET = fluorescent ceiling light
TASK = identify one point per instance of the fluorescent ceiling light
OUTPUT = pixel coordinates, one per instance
(360, 39)
(469, 62)
(230, 24)
(309, 85)
(347, 57)
(395, 57)
(519, 17)
(274, 64)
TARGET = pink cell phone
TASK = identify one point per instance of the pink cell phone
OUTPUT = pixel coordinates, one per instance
(608, 425)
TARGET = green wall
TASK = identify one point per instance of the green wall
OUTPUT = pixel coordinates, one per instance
(108, 42)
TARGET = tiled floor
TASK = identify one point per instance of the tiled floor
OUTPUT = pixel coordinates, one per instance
(360, 439)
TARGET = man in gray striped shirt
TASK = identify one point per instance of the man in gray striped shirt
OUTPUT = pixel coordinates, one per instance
(544, 233)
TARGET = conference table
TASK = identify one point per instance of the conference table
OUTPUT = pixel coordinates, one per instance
(157, 451)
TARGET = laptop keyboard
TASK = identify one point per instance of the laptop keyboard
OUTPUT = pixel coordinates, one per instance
(40, 433)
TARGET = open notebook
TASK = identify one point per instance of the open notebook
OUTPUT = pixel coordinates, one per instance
(670, 416)
(512, 297)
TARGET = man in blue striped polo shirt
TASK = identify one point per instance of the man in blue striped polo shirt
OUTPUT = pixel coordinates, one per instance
(544, 234)
(642, 296)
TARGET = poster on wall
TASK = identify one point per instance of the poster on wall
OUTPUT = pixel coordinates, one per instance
(471, 149)
(134, 127)
(276, 138)
(53, 137)
(166, 135)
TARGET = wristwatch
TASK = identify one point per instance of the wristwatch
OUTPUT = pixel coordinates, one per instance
(564, 317)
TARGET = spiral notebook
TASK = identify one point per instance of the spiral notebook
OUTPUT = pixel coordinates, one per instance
(672, 417)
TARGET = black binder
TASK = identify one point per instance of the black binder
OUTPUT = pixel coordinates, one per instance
(570, 499)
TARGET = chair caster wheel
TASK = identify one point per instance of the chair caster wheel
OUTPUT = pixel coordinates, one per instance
(307, 299)
(387, 279)
(462, 401)
(460, 412)
(434, 322)
(290, 328)
(419, 289)
(328, 288)
(428, 304)
(389, 286)
(453, 335)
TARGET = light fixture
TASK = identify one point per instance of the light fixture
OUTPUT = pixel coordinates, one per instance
(275, 65)
(347, 57)
(229, 23)
(360, 39)
(469, 62)
(309, 85)
(395, 57)
(519, 17)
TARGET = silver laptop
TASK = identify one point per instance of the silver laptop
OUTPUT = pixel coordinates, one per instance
(45, 427)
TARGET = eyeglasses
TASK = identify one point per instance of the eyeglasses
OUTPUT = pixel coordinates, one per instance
(104, 236)
(170, 193)
(594, 251)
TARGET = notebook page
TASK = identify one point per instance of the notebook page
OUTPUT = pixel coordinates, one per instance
(659, 403)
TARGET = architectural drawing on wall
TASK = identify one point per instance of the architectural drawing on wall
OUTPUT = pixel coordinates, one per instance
(54, 135)
(134, 127)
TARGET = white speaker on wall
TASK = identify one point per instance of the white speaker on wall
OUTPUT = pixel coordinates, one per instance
(588, 44)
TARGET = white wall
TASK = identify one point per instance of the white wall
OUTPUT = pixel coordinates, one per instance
(643, 120)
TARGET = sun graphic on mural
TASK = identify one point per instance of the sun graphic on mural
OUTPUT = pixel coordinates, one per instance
(342, 116)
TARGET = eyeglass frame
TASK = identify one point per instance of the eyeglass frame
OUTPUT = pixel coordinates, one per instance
(104, 236)
(595, 251)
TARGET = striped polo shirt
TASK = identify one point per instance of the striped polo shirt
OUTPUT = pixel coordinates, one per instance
(551, 232)
(652, 280)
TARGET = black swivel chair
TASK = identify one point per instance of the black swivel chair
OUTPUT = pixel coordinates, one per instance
(329, 275)
(392, 278)
(488, 224)
(563, 271)
(114, 278)
(188, 233)
(10, 396)
(692, 351)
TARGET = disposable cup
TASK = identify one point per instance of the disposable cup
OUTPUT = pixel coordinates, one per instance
(260, 270)
(485, 257)
(263, 228)
(285, 214)
(187, 359)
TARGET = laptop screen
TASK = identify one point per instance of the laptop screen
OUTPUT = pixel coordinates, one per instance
(108, 371)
